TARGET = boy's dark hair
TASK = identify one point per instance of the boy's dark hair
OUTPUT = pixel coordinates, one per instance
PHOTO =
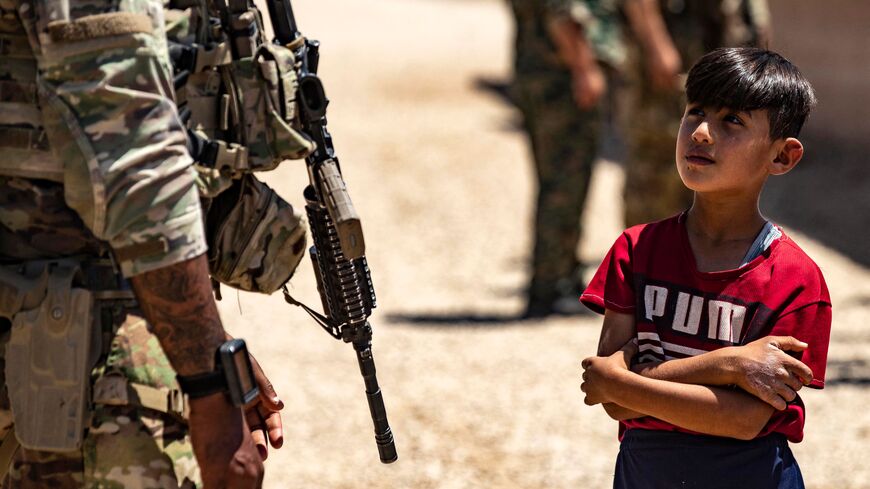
(745, 79)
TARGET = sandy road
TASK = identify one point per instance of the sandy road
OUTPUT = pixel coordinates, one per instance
(443, 185)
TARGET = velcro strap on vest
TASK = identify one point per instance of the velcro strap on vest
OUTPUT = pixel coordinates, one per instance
(143, 249)
(220, 155)
(13, 113)
(203, 112)
(23, 138)
(15, 46)
(116, 390)
(18, 92)
(7, 452)
(218, 55)
(100, 25)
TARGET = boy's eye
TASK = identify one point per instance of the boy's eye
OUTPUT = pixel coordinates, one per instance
(733, 119)
(695, 111)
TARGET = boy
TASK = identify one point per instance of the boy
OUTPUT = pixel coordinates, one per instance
(701, 308)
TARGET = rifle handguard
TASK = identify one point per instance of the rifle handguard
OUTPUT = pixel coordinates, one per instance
(341, 210)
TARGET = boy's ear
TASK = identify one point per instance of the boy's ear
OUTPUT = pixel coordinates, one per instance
(789, 154)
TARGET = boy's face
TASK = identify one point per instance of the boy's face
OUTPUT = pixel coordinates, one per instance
(722, 150)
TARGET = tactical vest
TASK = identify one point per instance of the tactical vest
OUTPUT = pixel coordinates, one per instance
(23, 143)
(236, 92)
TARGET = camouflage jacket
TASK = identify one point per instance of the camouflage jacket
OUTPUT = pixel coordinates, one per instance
(98, 128)
(696, 26)
(535, 51)
(699, 26)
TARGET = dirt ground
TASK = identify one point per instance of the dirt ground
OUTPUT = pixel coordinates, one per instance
(476, 398)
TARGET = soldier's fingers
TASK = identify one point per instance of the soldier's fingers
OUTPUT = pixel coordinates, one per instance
(275, 429)
(258, 429)
(260, 440)
(267, 390)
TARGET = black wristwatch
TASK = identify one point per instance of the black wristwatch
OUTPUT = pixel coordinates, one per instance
(233, 374)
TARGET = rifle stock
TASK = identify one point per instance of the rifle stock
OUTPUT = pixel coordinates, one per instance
(338, 255)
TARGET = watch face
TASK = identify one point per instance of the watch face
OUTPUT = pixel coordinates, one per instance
(239, 373)
(243, 367)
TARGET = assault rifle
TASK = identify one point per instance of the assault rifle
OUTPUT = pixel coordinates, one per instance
(338, 254)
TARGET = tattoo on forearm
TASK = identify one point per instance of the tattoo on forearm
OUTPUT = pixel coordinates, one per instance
(177, 300)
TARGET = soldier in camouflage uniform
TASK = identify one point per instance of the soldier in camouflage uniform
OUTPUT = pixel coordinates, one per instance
(94, 166)
(653, 189)
(559, 103)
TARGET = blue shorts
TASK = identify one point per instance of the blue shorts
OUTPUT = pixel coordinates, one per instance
(665, 460)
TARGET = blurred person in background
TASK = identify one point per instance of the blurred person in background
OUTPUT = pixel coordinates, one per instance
(562, 50)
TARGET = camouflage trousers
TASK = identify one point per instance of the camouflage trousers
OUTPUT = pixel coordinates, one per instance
(564, 145)
(125, 446)
(651, 121)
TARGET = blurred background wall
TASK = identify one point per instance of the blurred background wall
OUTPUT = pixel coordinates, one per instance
(828, 195)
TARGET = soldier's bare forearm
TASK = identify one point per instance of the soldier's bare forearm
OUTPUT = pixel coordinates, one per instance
(177, 300)
(645, 19)
(570, 40)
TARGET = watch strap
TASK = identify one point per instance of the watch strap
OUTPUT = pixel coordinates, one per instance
(201, 385)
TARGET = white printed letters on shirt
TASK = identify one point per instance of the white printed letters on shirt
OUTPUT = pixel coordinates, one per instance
(725, 319)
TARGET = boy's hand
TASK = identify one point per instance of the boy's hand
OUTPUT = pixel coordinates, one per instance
(765, 370)
(599, 373)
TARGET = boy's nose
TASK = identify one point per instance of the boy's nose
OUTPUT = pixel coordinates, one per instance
(702, 135)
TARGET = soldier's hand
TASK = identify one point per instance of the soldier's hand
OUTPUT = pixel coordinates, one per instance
(663, 66)
(263, 414)
(588, 85)
(223, 445)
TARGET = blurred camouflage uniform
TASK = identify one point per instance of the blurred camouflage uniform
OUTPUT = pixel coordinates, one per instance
(653, 189)
(563, 137)
(86, 168)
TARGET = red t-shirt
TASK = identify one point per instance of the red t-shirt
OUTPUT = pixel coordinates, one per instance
(650, 272)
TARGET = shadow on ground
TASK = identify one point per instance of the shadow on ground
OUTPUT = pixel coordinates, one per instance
(848, 372)
(465, 319)
(459, 319)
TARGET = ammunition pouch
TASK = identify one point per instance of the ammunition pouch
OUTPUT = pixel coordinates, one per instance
(267, 82)
(255, 238)
(240, 113)
(49, 356)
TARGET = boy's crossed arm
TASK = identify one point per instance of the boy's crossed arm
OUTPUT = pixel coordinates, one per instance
(686, 392)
